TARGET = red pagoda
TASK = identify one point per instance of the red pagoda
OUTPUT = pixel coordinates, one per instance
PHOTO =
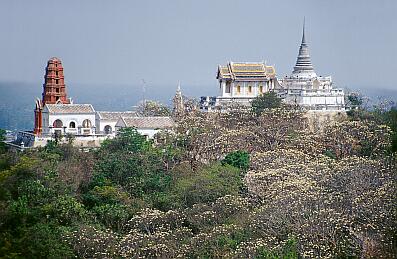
(54, 91)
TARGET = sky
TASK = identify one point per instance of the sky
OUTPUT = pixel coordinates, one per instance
(117, 42)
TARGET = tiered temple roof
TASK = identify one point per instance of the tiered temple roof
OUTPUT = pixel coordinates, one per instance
(246, 70)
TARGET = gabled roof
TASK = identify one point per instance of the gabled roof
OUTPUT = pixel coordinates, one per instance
(115, 116)
(246, 70)
(147, 122)
(69, 108)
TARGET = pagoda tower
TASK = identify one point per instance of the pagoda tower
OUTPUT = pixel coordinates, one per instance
(54, 91)
(179, 107)
(304, 66)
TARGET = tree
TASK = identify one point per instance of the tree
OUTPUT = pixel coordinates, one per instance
(355, 100)
(153, 108)
(239, 159)
(2, 139)
(269, 100)
(208, 184)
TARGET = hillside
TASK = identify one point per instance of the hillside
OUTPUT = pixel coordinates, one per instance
(236, 184)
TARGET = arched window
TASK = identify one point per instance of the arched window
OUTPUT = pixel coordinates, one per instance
(238, 89)
(249, 89)
(72, 125)
(108, 129)
(57, 124)
(86, 123)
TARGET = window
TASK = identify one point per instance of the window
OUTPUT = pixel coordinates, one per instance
(108, 129)
(57, 124)
(227, 90)
(57, 90)
(56, 81)
(72, 125)
(86, 123)
(249, 89)
(238, 89)
(261, 89)
(56, 73)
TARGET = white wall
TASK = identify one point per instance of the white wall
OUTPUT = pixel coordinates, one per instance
(101, 124)
(48, 120)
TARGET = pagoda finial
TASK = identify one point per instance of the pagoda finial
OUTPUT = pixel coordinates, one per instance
(303, 33)
(178, 89)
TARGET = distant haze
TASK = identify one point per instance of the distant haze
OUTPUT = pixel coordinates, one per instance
(122, 42)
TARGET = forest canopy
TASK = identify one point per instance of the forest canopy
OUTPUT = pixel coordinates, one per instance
(261, 183)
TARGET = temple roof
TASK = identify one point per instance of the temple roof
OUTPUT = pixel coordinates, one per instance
(69, 108)
(246, 70)
(303, 62)
(114, 116)
(148, 122)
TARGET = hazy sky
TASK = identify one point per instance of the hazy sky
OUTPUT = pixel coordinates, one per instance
(122, 42)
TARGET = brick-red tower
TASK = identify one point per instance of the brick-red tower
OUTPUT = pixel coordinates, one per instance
(54, 91)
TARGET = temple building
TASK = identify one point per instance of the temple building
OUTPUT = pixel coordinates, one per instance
(146, 126)
(57, 116)
(306, 88)
(105, 121)
(241, 82)
(54, 91)
(55, 113)
(62, 119)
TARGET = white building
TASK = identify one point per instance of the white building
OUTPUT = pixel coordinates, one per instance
(241, 82)
(105, 122)
(306, 88)
(147, 126)
(77, 119)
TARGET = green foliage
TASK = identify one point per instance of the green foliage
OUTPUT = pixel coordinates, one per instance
(114, 216)
(129, 168)
(239, 159)
(355, 100)
(65, 210)
(268, 100)
(2, 138)
(42, 240)
(208, 184)
(106, 194)
(330, 154)
(128, 139)
(288, 251)
(390, 118)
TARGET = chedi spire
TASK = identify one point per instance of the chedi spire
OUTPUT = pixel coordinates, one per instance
(303, 62)
(179, 107)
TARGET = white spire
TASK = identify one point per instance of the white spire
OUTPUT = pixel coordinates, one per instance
(178, 89)
(303, 66)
